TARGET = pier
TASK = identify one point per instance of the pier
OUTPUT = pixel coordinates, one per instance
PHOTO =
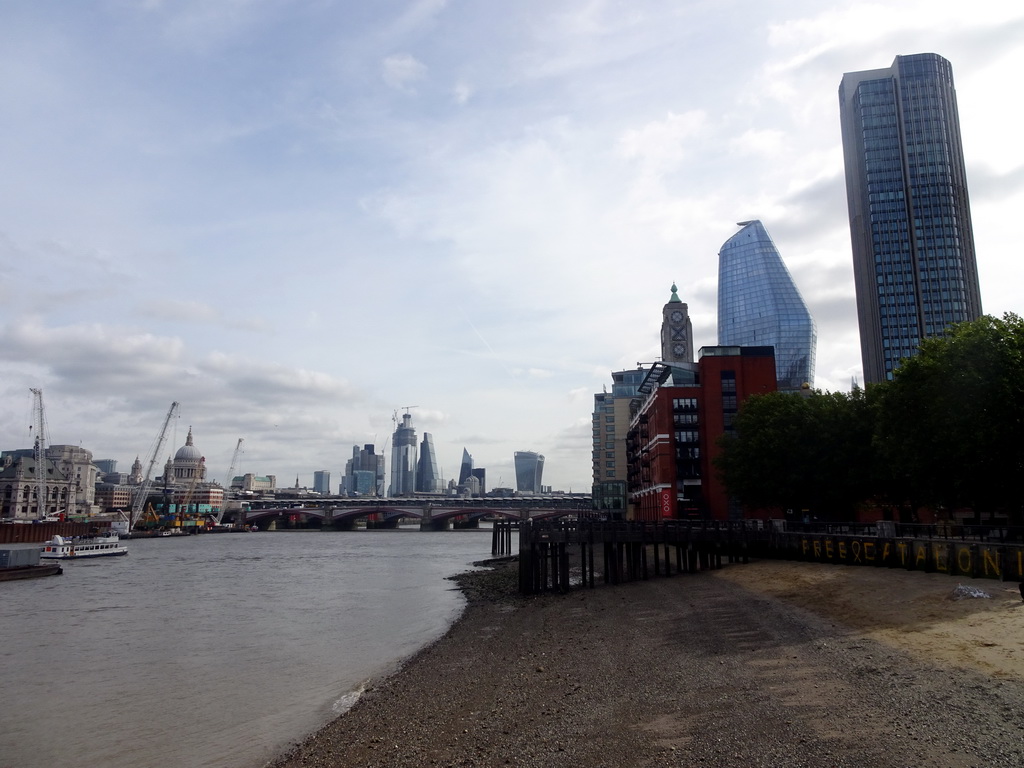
(556, 556)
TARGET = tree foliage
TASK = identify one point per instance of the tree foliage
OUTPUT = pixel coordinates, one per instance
(801, 452)
(949, 424)
(947, 431)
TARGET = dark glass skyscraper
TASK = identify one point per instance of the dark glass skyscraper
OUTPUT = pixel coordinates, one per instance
(428, 476)
(910, 220)
(759, 305)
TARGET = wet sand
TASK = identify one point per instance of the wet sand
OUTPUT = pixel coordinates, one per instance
(767, 664)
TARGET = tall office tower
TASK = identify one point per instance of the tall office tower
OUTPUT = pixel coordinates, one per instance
(403, 459)
(466, 470)
(529, 468)
(322, 482)
(481, 476)
(364, 472)
(676, 331)
(914, 264)
(759, 305)
(428, 476)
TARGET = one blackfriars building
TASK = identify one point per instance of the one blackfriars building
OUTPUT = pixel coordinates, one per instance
(910, 220)
(759, 305)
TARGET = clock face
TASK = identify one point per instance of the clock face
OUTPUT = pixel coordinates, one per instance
(676, 316)
(679, 349)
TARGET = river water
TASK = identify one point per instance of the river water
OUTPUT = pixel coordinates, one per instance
(215, 650)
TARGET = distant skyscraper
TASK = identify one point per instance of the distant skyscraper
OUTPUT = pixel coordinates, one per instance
(322, 482)
(676, 331)
(759, 305)
(106, 466)
(481, 475)
(466, 469)
(364, 472)
(403, 459)
(529, 468)
(910, 220)
(428, 477)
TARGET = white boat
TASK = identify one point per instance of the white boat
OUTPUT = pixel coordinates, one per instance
(60, 548)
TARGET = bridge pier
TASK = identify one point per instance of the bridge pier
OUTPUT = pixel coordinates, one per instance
(428, 524)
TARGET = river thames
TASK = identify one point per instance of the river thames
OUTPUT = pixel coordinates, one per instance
(215, 650)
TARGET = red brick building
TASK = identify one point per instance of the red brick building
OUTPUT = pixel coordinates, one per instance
(681, 412)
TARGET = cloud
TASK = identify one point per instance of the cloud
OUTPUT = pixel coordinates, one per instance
(664, 143)
(462, 92)
(401, 70)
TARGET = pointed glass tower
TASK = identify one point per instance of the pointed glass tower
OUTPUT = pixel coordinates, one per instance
(428, 476)
(759, 305)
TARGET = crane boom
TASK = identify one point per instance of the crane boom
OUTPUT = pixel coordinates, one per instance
(39, 447)
(140, 498)
(231, 477)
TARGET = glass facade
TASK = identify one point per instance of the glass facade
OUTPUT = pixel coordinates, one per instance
(529, 469)
(910, 223)
(403, 459)
(759, 305)
(428, 476)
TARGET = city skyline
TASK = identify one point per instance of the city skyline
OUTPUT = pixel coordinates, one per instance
(257, 209)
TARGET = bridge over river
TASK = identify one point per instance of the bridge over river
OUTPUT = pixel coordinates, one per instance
(433, 515)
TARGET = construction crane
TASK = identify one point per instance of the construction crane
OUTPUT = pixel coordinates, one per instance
(39, 424)
(406, 408)
(231, 477)
(140, 498)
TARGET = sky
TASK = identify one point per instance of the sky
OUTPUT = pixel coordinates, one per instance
(299, 217)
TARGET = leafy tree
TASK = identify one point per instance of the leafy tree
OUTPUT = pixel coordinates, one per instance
(801, 452)
(950, 423)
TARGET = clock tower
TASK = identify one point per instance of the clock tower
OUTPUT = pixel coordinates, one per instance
(676, 331)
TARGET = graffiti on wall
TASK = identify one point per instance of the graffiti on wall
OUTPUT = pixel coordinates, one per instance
(975, 560)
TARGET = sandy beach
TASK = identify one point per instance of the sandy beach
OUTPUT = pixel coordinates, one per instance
(767, 664)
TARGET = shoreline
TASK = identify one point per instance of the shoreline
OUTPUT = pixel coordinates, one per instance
(754, 664)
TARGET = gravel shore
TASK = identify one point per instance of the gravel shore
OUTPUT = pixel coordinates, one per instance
(753, 665)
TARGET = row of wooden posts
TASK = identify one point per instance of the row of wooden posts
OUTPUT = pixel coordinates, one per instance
(559, 556)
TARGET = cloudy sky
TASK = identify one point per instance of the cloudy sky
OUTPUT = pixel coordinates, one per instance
(296, 217)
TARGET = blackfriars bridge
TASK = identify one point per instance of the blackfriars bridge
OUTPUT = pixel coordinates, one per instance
(433, 515)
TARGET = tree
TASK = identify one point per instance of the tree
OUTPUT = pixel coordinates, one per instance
(950, 422)
(801, 452)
